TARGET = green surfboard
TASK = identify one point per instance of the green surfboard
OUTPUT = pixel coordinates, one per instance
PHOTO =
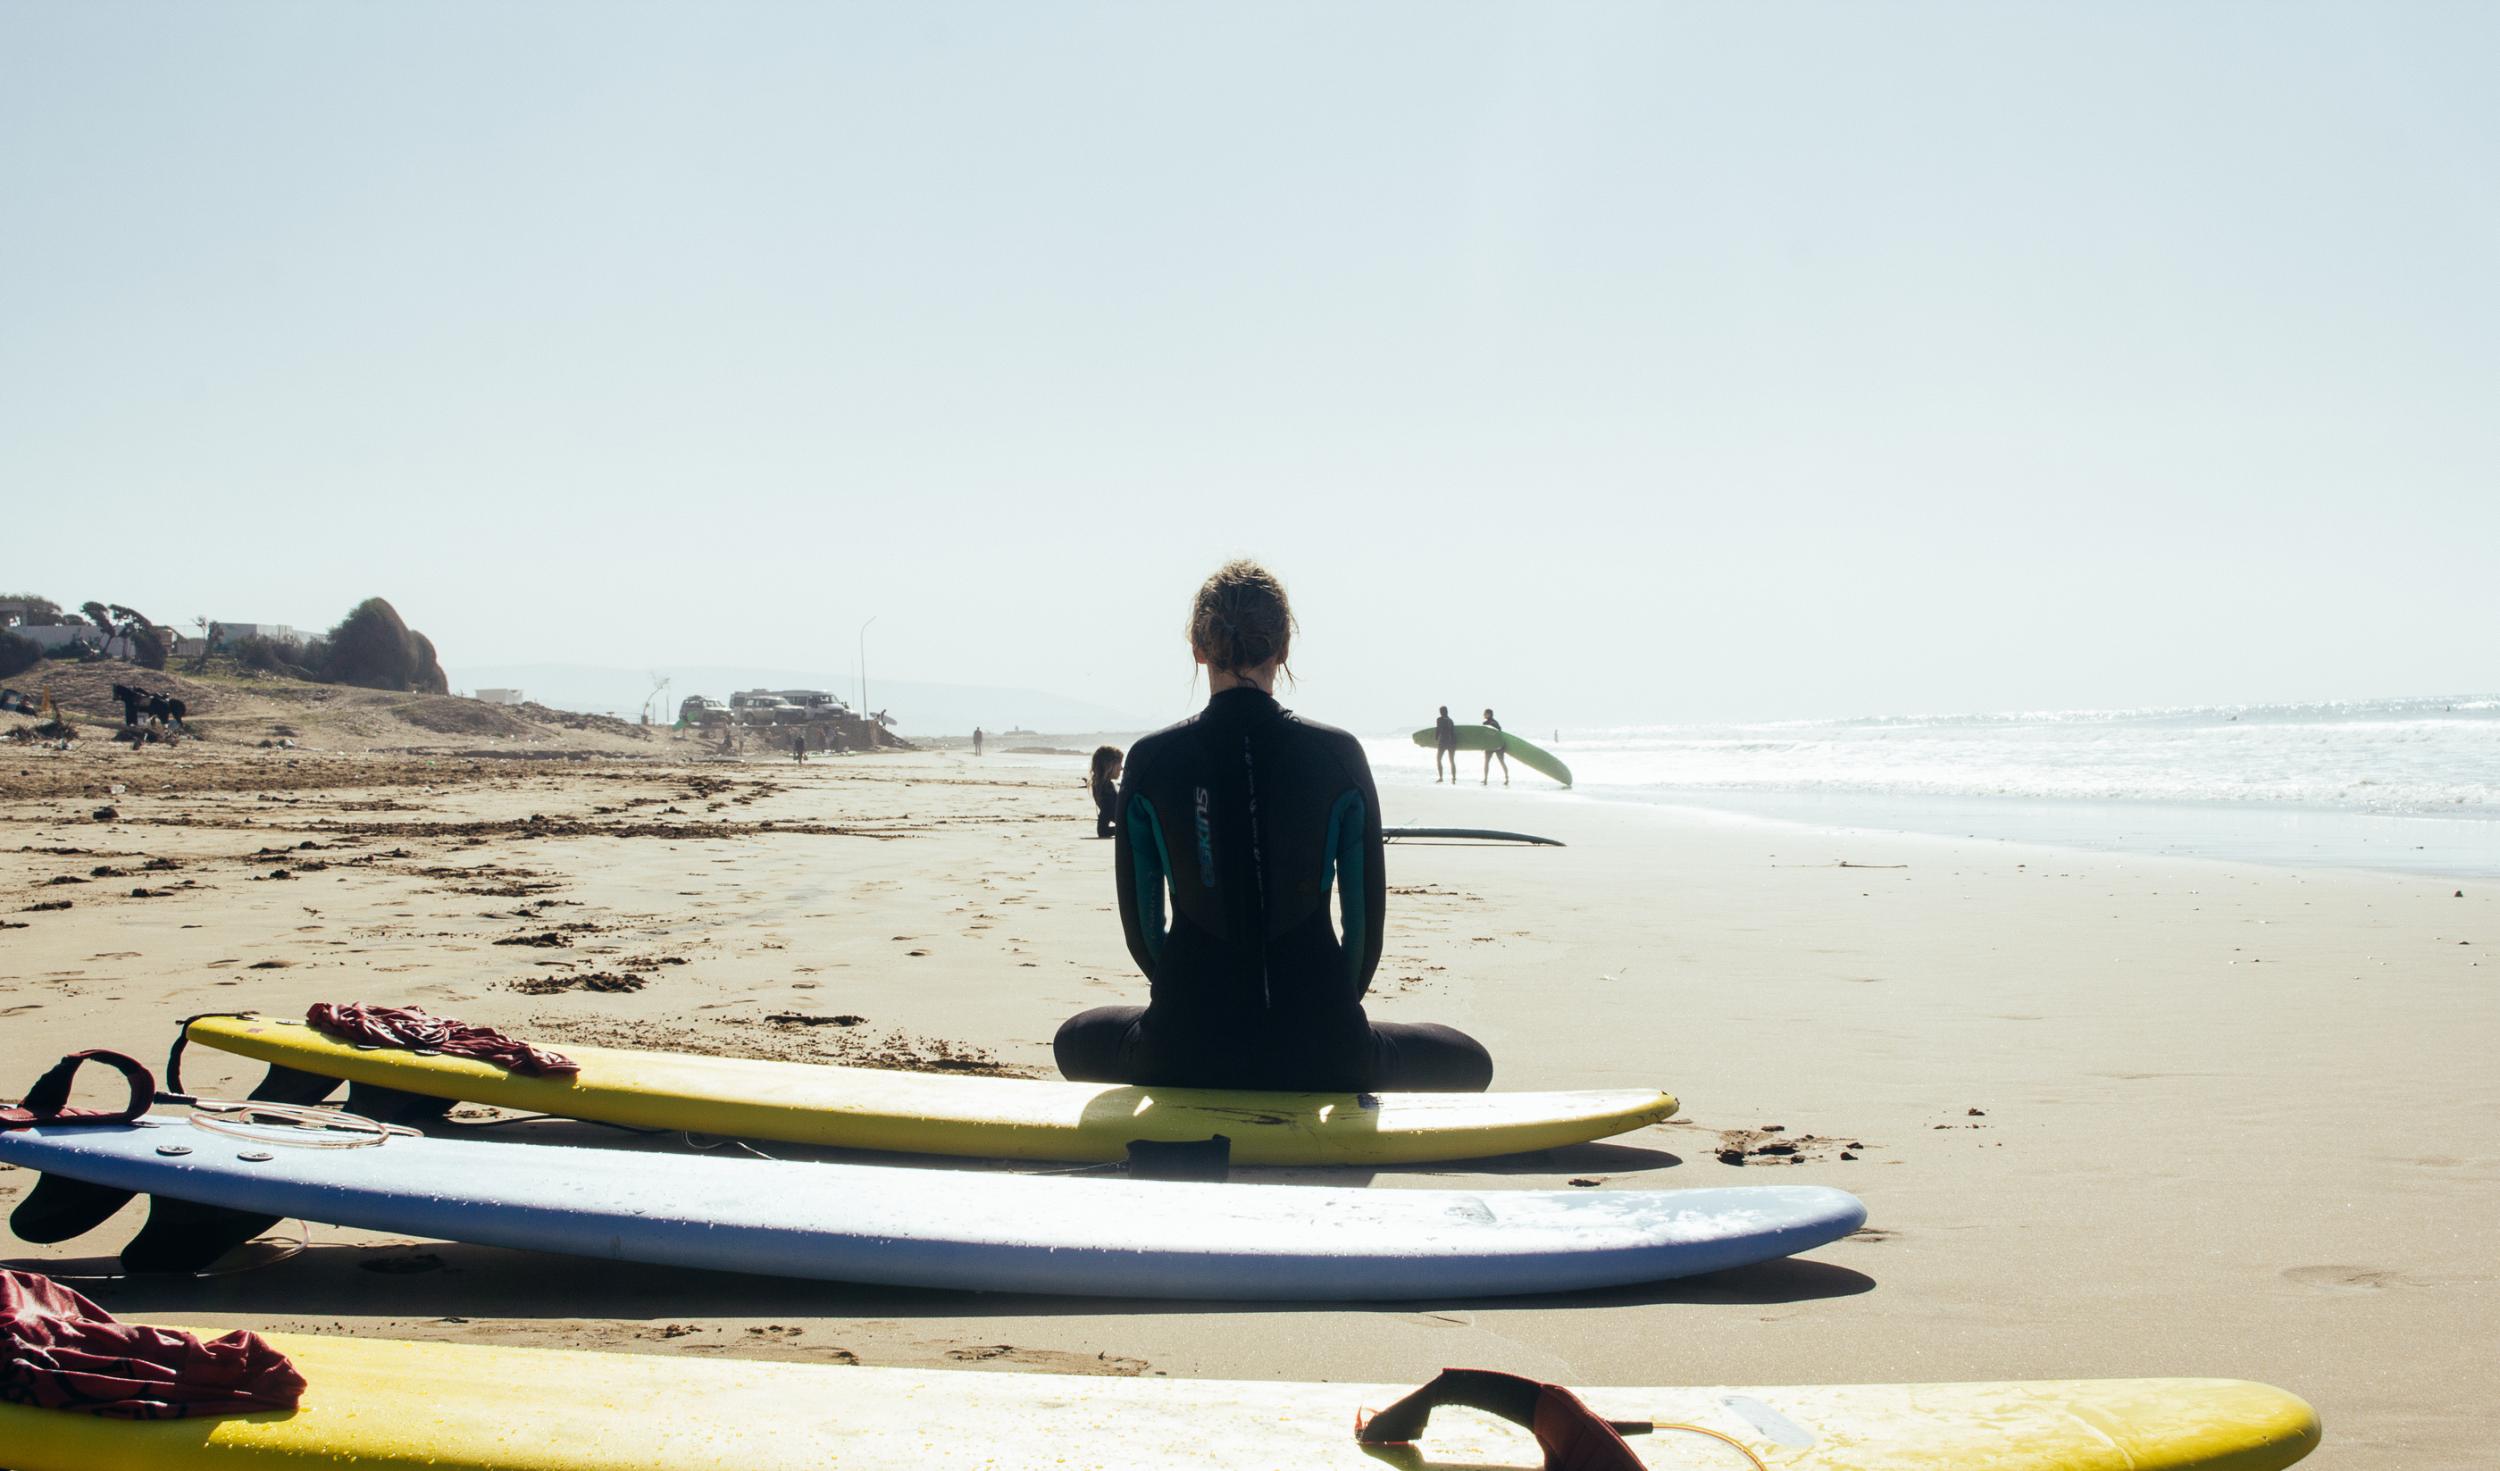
(1486, 738)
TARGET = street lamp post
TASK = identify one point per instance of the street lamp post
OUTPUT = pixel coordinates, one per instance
(863, 681)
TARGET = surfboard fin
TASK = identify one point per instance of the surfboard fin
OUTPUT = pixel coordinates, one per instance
(284, 1084)
(392, 1106)
(59, 1208)
(290, 1085)
(1209, 1159)
(185, 1236)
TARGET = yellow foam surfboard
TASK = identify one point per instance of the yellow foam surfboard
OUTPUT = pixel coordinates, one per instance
(387, 1406)
(936, 1113)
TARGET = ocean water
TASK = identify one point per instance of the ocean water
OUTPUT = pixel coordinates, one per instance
(2402, 784)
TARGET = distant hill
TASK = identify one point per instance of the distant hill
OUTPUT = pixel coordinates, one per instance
(229, 708)
(918, 709)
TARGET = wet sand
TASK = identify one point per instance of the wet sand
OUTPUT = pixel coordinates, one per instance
(2110, 1116)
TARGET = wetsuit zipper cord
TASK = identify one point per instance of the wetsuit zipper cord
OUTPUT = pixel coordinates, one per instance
(1258, 873)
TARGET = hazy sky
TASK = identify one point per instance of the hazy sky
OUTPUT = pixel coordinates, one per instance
(1602, 363)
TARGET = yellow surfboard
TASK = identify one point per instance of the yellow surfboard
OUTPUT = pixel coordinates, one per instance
(935, 1113)
(387, 1406)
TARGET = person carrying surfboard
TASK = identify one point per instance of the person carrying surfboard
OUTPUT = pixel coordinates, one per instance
(1445, 737)
(1233, 827)
(1494, 753)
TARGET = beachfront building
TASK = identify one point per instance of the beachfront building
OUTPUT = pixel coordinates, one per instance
(500, 696)
(105, 641)
(782, 707)
(60, 635)
(822, 719)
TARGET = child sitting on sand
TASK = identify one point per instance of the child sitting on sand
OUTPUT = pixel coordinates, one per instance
(1106, 784)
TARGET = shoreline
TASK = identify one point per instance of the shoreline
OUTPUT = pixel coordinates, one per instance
(2284, 835)
(2304, 838)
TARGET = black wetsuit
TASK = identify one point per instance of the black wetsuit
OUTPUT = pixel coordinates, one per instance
(1243, 819)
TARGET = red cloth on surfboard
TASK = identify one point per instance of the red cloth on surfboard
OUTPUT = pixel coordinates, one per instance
(59, 1351)
(412, 1029)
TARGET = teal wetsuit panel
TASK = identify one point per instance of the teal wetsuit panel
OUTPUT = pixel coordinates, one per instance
(1151, 865)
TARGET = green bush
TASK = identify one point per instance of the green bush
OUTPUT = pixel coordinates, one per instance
(427, 677)
(267, 655)
(41, 612)
(370, 649)
(148, 649)
(18, 654)
(373, 649)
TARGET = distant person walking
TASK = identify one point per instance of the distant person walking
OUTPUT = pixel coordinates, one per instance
(1106, 784)
(1495, 753)
(1444, 746)
(798, 748)
(976, 740)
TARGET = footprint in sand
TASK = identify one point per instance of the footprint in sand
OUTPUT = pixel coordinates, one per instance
(2340, 1278)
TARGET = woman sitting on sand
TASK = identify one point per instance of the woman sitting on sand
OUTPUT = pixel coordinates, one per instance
(1241, 819)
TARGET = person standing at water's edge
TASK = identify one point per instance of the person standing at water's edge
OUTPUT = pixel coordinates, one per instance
(976, 740)
(1444, 745)
(1495, 752)
(1234, 826)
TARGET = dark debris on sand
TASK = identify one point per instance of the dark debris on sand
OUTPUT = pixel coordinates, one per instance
(1772, 1144)
(606, 981)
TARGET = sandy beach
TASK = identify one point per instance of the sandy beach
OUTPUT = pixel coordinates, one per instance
(624, 524)
(2111, 1116)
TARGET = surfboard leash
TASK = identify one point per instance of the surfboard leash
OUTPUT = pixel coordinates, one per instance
(1572, 1436)
(182, 1041)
